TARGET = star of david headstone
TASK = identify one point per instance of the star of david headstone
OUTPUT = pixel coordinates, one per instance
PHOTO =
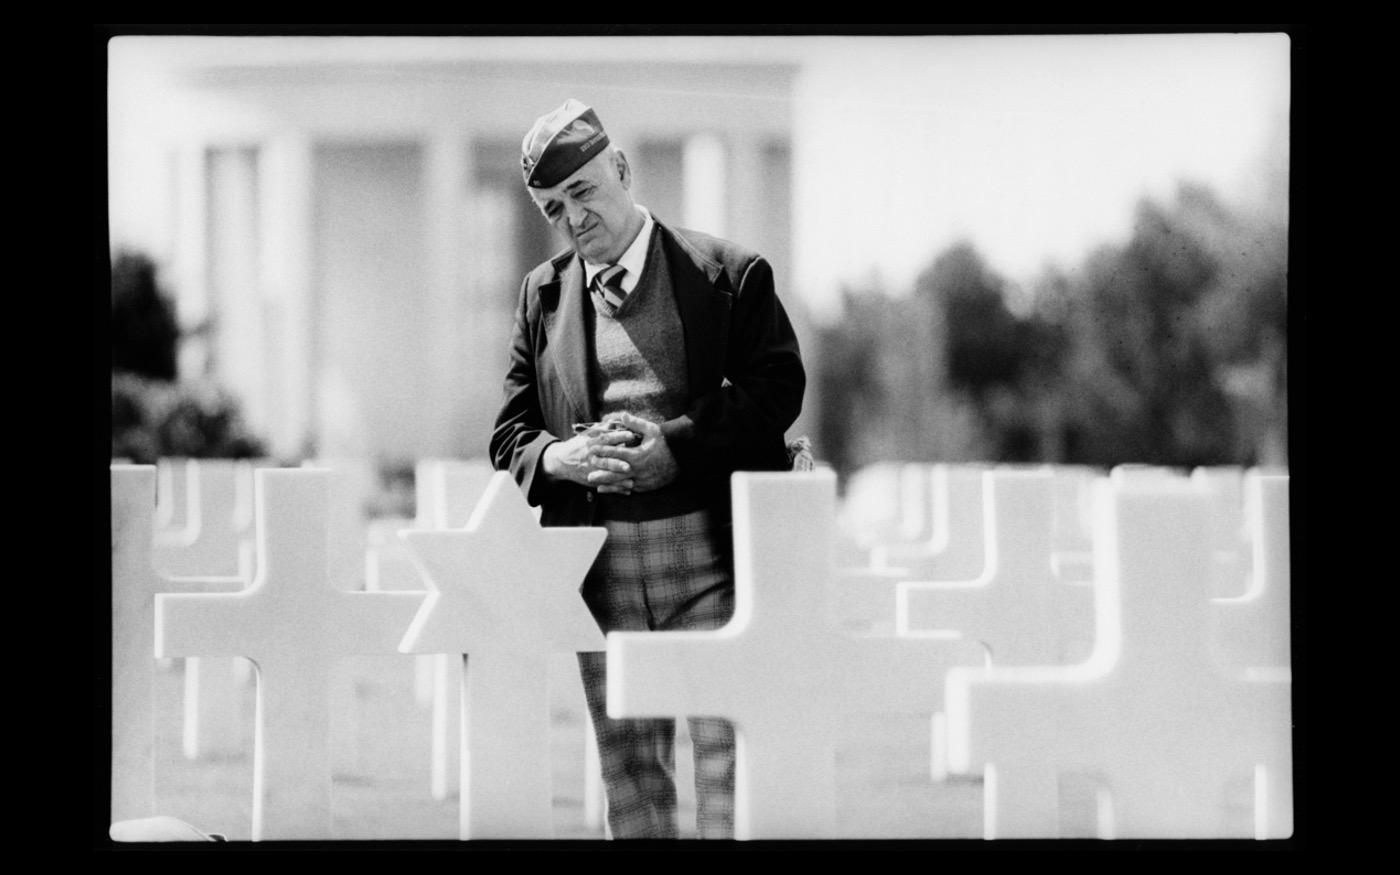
(504, 591)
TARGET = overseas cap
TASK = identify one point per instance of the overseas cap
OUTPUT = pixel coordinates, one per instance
(559, 143)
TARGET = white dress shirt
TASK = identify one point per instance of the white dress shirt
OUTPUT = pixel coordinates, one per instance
(634, 259)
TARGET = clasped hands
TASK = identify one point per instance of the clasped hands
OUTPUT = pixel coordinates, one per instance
(601, 460)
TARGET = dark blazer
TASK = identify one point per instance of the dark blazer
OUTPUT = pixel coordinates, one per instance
(742, 360)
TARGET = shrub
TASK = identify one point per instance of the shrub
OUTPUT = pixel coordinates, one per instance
(152, 419)
(145, 332)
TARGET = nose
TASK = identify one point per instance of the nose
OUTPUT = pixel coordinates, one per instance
(575, 213)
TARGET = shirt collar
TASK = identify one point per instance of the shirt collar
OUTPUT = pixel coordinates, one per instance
(634, 259)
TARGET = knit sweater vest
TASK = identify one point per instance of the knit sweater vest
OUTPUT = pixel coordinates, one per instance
(641, 369)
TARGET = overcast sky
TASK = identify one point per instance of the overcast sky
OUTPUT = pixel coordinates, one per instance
(1033, 148)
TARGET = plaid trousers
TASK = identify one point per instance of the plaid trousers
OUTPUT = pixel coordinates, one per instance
(655, 575)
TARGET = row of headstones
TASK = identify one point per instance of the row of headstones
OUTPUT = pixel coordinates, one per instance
(934, 533)
(204, 539)
(1147, 676)
(778, 625)
(197, 523)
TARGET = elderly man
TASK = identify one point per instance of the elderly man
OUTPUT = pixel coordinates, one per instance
(672, 345)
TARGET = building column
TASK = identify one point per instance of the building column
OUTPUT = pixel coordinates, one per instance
(703, 192)
(289, 294)
(234, 280)
(489, 243)
(758, 190)
(447, 176)
(748, 195)
(189, 265)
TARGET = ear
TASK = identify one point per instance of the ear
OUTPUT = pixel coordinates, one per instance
(624, 170)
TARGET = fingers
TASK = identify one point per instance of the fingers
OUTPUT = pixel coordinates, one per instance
(626, 454)
(609, 463)
(616, 437)
(637, 424)
(602, 477)
(614, 466)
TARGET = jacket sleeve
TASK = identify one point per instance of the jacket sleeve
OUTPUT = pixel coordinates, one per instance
(519, 437)
(740, 424)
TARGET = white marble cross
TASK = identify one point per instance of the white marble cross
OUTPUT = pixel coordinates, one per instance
(778, 669)
(916, 499)
(293, 625)
(863, 600)
(1017, 607)
(389, 566)
(446, 492)
(214, 691)
(216, 537)
(1252, 631)
(353, 483)
(1073, 559)
(135, 583)
(1225, 484)
(1149, 713)
(953, 548)
(870, 511)
(172, 520)
(505, 591)
(1134, 473)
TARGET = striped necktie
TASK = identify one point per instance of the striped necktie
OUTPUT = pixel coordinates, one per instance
(607, 288)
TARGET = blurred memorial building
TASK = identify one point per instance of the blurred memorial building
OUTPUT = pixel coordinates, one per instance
(345, 236)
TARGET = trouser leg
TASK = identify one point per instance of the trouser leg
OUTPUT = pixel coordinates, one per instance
(704, 602)
(713, 741)
(638, 760)
(656, 576)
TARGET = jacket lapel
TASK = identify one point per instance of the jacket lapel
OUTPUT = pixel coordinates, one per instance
(566, 327)
(704, 301)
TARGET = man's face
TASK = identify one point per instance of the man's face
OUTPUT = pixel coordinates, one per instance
(594, 208)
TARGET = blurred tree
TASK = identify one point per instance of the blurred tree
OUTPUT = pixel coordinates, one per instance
(1169, 349)
(134, 434)
(983, 340)
(1005, 367)
(153, 415)
(152, 419)
(846, 379)
(1048, 400)
(1162, 326)
(145, 333)
(1243, 316)
(883, 386)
